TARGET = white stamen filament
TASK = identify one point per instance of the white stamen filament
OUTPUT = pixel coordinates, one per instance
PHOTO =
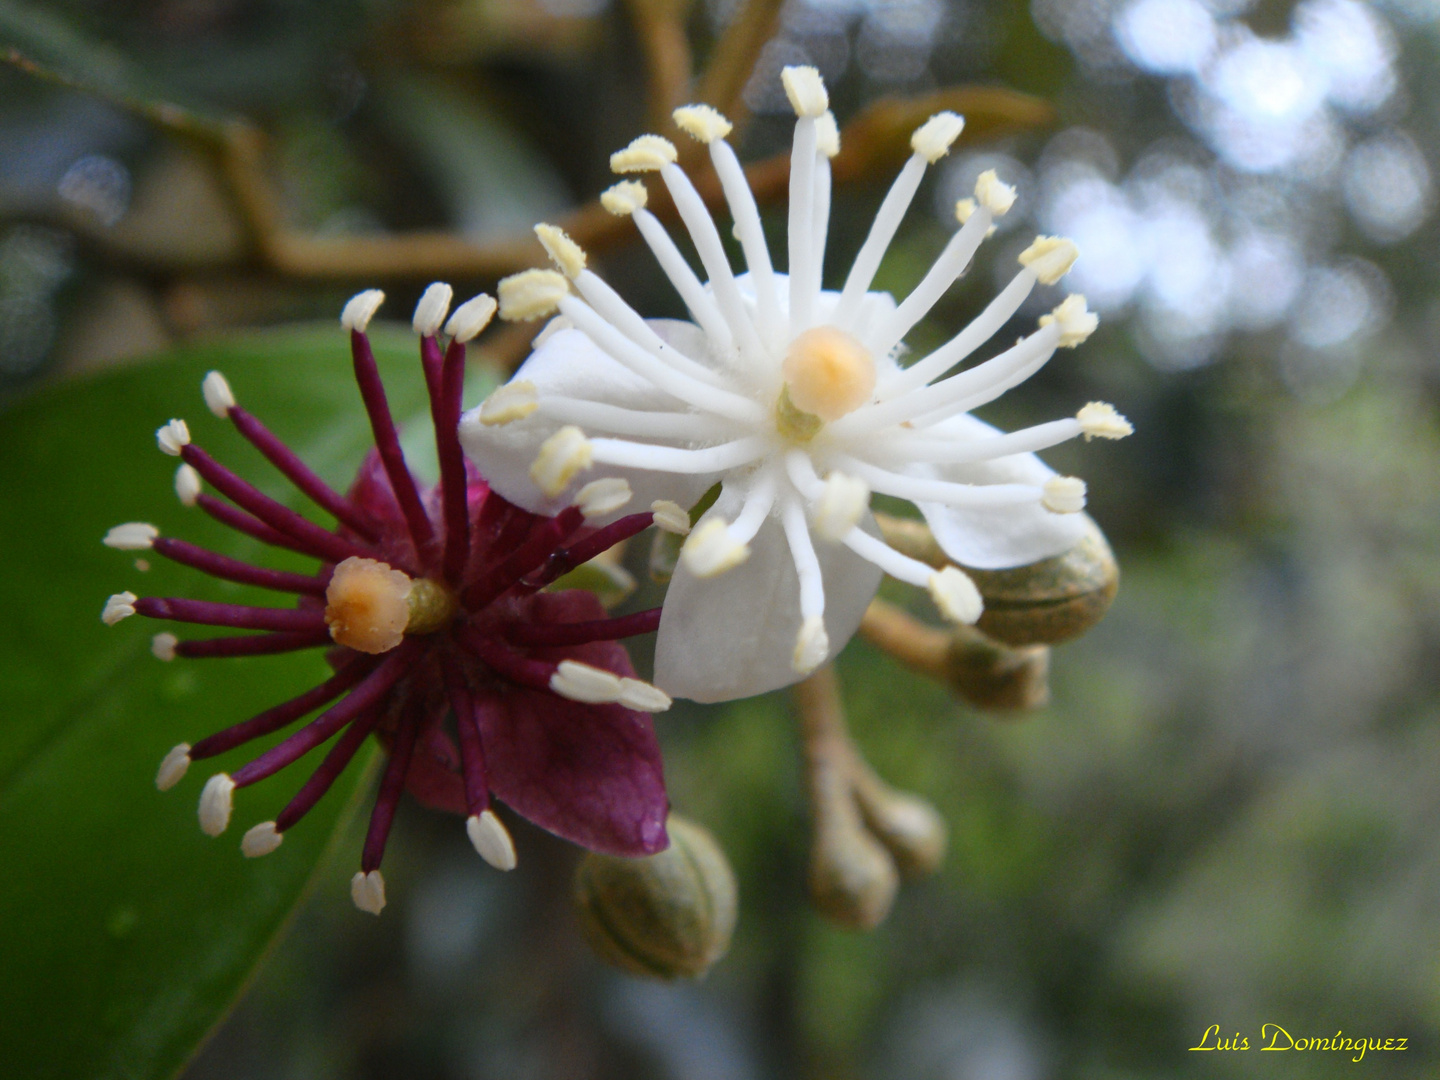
(700, 303)
(677, 459)
(491, 839)
(807, 564)
(634, 422)
(711, 250)
(609, 305)
(947, 268)
(673, 382)
(919, 489)
(803, 290)
(900, 567)
(978, 331)
(752, 239)
(756, 508)
(877, 242)
(954, 452)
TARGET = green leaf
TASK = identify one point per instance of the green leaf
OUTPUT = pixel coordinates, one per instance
(128, 933)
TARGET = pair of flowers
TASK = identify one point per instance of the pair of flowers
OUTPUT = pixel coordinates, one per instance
(781, 406)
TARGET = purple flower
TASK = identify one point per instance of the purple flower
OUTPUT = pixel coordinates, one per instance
(443, 644)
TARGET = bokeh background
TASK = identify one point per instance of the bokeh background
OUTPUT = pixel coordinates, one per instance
(1227, 814)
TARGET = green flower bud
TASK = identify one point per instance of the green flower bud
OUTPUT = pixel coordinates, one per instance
(665, 916)
(1053, 600)
(852, 876)
(911, 829)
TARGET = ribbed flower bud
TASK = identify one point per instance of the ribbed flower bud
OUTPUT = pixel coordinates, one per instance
(852, 876)
(665, 916)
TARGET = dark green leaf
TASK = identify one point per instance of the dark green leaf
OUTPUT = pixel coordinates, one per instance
(127, 932)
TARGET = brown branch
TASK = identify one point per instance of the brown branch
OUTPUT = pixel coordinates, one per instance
(660, 27)
(734, 56)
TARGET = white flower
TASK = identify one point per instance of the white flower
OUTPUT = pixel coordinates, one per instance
(790, 398)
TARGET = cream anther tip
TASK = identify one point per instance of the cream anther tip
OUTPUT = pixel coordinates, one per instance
(568, 256)
(1063, 495)
(491, 839)
(260, 840)
(506, 404)
(471, 317)
(216, 800)
(368, 891)
(430, 312)
(531, 294)
(1073, 320)
(624, 198)
(812, 646)
(163, 645)
(955, 595)
(995, 196)
(827, 134)
(648, 153)
(187, 485)
(805, 89)
(702, 122)
(840, 506)
(1100, 421)
(603, 496)
(120, 605)
(173, 437)
(1050, 258)
(360, 309)
(932, 140)
(561, 457)
(132, 536)
(219, 398)
(582, 682)
(671, 517)
(710, 550)
(643, 697)
(174, 767)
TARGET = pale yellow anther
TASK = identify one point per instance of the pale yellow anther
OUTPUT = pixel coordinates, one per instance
(531, 294)
(702, 123)
(710, 550)
(367, 605)
(360, 309)
(648, 153)
(368, 891)
(812, 646)
(624, 198)
(1050, 258)
(994, 195)
(1100, 421)
(567, 255)
(840, 506)
(506, 404)
(932, 140)
(1063, 495)
(1075, 322)
(805, 89)
(828, 373)
(603, 496)
(827, 134)
(955, 595)
(561, 456)
(467, 320)
(965, 209)
(671, 517)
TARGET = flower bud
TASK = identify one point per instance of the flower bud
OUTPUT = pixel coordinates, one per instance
(990, 675)
(1053, 600)
(852, 876)
(911, 829)
(665, 916)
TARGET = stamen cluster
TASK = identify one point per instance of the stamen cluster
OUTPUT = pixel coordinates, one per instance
(443, 639)
(790, 398)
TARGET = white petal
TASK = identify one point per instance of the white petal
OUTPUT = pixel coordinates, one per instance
(734, 635)
(569, 364)
(995, 538)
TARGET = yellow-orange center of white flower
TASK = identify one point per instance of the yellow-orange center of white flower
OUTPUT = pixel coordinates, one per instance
(828, 373)
(367, 605)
